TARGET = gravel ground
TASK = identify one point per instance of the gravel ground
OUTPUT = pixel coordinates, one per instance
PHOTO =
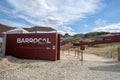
(68, 68)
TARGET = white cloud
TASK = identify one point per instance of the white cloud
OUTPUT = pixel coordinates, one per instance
(13, 23)
(109, 28)
(66, 29)
(52, 12)
(51, 21)
(100, 22)
(69, 32)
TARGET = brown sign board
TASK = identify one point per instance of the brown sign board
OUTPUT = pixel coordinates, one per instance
(43, 46)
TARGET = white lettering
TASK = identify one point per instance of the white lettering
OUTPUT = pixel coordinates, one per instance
(33, 40)
(27, 40)
(18, 40)
(22, 40)
(48, 41)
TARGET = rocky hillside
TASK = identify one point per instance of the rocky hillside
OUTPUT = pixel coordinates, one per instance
(88, 37)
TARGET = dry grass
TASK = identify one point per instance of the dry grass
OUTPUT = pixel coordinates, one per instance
(105, 51)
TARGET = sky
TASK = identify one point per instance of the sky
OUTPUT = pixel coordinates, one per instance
(66, 16)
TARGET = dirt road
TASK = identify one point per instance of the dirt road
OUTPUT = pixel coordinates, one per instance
(68, 68)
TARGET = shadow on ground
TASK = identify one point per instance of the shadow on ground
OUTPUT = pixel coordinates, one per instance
(113, 66)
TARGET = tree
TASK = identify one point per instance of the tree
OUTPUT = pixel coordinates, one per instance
(67, 34)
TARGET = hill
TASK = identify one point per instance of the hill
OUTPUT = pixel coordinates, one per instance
(88, 37)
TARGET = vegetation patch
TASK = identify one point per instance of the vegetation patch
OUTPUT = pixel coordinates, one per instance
(108, 51)
(105, 50)
(28, 65)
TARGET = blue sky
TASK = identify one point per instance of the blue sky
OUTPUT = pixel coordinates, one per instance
(67, 16)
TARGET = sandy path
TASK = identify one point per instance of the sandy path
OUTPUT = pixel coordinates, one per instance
(68, 68)
(88, 57)
(91, 57)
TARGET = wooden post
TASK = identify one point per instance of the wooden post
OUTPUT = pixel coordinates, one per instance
(68, 52)
(82, 47)
(81, 55)
(75, 52)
